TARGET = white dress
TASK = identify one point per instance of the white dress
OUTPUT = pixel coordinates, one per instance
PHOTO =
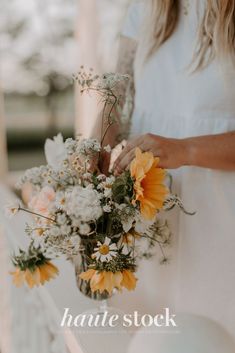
(171, 102)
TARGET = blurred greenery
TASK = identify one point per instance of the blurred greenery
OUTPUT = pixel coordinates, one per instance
(26, 150)
(28, 126)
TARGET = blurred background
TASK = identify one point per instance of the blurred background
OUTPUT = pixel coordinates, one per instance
(42, 44)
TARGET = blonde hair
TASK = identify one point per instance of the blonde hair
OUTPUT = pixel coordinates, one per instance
(216, 32)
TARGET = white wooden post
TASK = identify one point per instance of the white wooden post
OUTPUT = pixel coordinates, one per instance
(87, 107)
(99, 22)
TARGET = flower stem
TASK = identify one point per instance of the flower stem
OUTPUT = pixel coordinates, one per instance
(36, 214)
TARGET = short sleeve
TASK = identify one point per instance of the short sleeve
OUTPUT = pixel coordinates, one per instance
(133, 20)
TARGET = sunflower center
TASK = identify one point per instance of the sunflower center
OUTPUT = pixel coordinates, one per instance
(104, 249)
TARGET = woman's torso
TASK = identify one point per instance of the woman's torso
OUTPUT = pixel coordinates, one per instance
(173, 101)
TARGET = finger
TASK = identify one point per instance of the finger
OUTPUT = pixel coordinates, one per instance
(125, 161)
(119, 161)
(130, 146)
(122, 162)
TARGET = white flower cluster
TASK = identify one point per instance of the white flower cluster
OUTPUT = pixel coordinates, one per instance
(88, 146)
(84, 204)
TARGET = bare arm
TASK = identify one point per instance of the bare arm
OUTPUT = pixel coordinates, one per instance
(211, 151)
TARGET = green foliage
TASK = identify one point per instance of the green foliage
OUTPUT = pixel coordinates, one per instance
(119, 263)
(122, 188)
(29, 259)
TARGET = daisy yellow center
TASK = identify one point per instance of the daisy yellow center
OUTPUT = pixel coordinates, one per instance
(104, 249)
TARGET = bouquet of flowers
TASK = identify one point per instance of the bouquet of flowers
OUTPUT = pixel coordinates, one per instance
(104, 223)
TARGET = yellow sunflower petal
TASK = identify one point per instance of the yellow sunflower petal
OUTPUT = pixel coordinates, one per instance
(101, 283)
(47, 272)
(129, 280)
(108, 281)
(86, 276)
(149, 187)
(147, 211)
(32, 278)
(97, 282)
(141, 164)
(18, 277)
(117, 280)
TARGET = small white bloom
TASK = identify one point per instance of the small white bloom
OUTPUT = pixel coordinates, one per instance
(106, 251)
(49, 181)
(60, 200)
(87, 176)
(54, 231)
(62, 173)
(12, 210)
(75, 243)
(55, 151)
(70, 145)
(65, 229)
(127, 223)
(108, 192)
(84, 229)
(107, 208)
(76, 222)
(110, 180)
(107, 149)
(106, 186)
(101, 177)
(142, 225)
(61, 218)
(88, 147)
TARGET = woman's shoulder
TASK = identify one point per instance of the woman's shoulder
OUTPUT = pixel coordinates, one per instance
(133, 19)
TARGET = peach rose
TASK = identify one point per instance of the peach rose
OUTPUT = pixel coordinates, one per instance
(41, 202)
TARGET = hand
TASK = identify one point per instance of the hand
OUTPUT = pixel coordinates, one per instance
(172, 152)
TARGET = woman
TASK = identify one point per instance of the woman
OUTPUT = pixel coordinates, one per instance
(184, 71)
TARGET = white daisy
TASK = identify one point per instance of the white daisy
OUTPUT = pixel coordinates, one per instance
(106, 251)
(60, 200)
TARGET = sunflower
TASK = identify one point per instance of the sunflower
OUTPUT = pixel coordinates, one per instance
(105, 251)
(149, 186)
(107, 280)
(39, 275)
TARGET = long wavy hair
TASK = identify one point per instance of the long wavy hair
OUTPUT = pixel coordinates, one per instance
(216, 31)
